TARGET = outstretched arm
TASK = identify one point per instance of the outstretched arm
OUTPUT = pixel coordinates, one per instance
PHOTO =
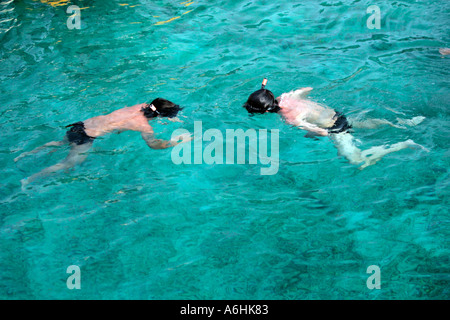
(154, 143)
(311, 128)
(49, 144)
(301, 93)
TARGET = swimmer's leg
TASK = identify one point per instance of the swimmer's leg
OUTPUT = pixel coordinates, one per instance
(345, 143)
(375, 123)
(77, 155)
(346, 147)
(374, 154)
(48, 144)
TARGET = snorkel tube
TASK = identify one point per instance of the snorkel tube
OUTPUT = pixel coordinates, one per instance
(153, 108)
(263, 85)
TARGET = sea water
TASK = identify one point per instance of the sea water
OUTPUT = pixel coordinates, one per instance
(139, 226)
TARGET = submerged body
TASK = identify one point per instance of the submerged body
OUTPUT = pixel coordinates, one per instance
(128, 118)
(320, 120)
(82, 134)
(306, 114)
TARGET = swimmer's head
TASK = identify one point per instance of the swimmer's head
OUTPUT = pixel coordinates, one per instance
(262, 101)
(161, 107)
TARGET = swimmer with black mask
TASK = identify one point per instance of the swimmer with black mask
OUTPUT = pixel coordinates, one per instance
(320, 120)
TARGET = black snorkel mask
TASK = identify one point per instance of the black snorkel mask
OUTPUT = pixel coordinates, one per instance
(262, 101)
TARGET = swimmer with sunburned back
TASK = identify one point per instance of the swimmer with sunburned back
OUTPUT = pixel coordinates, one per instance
(81, 135)
(320, 120)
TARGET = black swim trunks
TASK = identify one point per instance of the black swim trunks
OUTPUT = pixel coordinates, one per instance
(77, 134)
(340, 125)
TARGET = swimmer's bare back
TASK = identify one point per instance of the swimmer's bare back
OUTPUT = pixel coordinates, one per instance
(82, 134)
(128, 118)
(304, 113)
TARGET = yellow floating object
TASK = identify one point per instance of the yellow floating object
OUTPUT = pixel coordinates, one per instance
(56, 3)
(167, 21)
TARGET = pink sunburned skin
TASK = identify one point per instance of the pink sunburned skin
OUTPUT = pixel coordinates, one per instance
(291, 108)
(287, 102)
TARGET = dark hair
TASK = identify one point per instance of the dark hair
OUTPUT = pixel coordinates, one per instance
(164, 108)
(262, 101)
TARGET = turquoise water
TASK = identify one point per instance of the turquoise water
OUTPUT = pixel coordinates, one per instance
(141, 227)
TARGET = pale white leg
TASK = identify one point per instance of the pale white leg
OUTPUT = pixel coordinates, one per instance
(345, 143)
(374, 154)
(346, 146)
(375, 123)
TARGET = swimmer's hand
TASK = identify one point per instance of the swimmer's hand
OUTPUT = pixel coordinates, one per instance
(176, 119)
(311, 135)
(185, 137)
(300, 93)
(444, 51)
(313, 130)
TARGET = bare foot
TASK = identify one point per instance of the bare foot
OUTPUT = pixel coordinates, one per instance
(24, 183)
(410, 122)
(412, 145)
(444, 51)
